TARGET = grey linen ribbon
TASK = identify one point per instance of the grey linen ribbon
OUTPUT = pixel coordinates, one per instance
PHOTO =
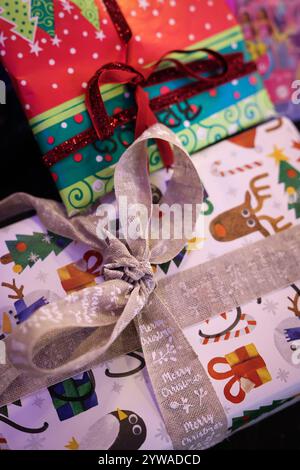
(70, 335)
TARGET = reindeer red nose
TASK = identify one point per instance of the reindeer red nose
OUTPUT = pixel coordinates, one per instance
(219, 230)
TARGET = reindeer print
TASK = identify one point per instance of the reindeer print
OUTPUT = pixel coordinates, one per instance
(295, 307)
(243, 220)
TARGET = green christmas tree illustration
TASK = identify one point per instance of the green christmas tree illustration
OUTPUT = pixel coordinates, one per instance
(251, 415)
(26, 250)
(290, 177)
(89, 10)
(19, 14)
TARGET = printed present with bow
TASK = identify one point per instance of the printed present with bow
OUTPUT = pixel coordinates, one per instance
(204, 90)
(76, 276)
(247, 368)
(131, 308)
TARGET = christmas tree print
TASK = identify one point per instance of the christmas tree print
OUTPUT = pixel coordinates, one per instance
(18, 12)
(26, 250)
(44, 11)
(251, 415)
(90, 11)
(290, 177)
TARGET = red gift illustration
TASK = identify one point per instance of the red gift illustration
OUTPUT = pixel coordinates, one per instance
(76, 276)
(246, 367)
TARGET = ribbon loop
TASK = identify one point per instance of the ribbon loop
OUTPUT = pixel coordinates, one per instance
(188, 71)
(65, 337)
(127, 270)
(110, 73)
(104, 124)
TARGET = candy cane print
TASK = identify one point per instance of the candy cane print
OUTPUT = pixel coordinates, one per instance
(276, 124)
(230, 332)
(216, 171)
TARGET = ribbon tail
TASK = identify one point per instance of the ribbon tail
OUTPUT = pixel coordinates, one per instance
(75, 332)
(192, 412)
(145, 119)
(9, 375)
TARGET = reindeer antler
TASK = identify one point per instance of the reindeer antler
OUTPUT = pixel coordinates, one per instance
(295, 309)
(256, 190)
(274, 222)
(18, 290)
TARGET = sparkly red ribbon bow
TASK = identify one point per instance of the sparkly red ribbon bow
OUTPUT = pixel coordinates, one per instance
(104, 124)
(232, 67)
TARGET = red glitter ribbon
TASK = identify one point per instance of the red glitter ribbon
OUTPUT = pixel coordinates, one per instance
(145, 117)
(119, 20)
(232, 67)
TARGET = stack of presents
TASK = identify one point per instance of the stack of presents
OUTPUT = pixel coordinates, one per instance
(231, 62)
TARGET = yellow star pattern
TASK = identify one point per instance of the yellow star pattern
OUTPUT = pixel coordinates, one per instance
(195, 244)
(278, 155)
(72, 445)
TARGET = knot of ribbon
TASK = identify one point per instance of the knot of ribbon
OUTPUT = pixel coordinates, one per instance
(135, 271)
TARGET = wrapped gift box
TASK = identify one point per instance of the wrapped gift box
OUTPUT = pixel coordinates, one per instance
(67, 41)
(251, 354)
(273, 39)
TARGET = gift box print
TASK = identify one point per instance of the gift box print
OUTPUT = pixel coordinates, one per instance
(54, 98)
(246, 367)
(76, 276)
(74, 396)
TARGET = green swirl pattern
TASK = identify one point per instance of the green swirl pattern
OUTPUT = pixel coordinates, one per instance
(44, 10)
(154, 158)
(232, 115)
(189, 139)
(82, 194)
(235, 118)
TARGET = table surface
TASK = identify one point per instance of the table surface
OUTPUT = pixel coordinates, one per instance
(21, 169)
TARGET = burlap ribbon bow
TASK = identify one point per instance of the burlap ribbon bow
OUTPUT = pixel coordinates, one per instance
(129, 309)
(69, 336)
